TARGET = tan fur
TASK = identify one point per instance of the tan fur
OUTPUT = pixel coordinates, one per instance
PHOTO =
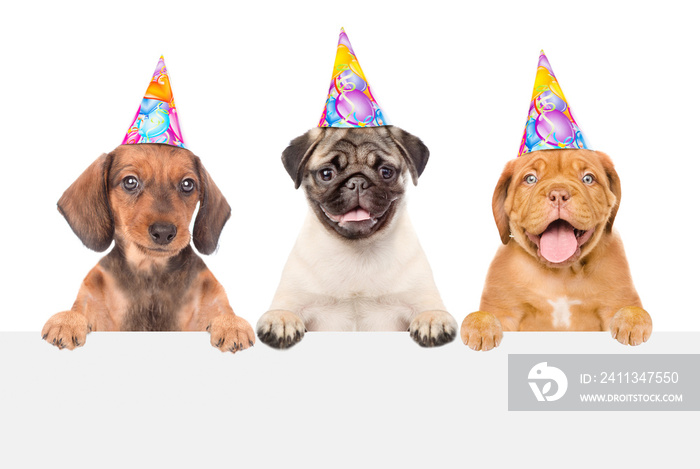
(593, 291)
(481, 331)
(99, 209)
(132, 218)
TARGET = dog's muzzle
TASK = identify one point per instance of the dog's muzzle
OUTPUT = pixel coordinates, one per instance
(162, 233)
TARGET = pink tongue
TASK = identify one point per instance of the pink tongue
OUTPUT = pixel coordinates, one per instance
(558, 242)
(358, 214)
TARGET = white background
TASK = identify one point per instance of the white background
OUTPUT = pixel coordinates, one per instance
(247, 79)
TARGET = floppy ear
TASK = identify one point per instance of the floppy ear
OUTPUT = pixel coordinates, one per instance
(499, 200)
(295, 156)
(212, 215)
(85, 205)
(615, 188)
(413, 150)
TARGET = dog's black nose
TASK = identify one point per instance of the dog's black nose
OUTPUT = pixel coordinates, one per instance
(162, 233)
(357, 183)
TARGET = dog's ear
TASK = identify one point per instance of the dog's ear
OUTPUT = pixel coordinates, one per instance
(212, 215)
(615, 188)
(85, 205)
(500, 194)
(295, 156)
(413, 150)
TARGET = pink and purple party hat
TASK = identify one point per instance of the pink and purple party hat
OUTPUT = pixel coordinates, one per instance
(156, 119)
(550, 122)
(350, 102)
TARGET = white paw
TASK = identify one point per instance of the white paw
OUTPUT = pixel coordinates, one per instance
(433, 328)
(280, 329)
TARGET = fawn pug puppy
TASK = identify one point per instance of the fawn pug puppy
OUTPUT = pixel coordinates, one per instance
(357, 263)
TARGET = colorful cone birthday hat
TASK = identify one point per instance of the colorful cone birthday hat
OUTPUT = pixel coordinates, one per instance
(350, 102)
(156, 120)
(550, 123)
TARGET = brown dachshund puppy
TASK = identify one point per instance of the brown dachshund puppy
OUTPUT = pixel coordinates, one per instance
(143, 197)
(561, 266)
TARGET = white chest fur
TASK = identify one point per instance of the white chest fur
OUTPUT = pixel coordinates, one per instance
(378, 284)
(561, 311)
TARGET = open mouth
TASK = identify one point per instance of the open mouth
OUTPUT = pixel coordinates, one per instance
(560, 242)
(358, 216)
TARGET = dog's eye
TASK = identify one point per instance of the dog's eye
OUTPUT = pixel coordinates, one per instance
(187, 185)
(326, 174)
(387, 173)
(588, 179)
(530, 179)
(130, 183)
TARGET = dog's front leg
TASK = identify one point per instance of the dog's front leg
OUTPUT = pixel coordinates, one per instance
(230, 332)
(68, 329)
(481, 331)
(214, 314)
(630, 325)
(280, 328)
(429, 323)
(433, 328)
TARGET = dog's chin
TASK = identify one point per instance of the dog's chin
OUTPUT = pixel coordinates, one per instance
(158, 251)
(356, 223)
(560, 244)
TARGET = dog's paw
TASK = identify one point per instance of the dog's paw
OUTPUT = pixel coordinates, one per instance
(631, 325)
(230, 333)
(280, 329)
(481, 331)
(66, 330)
(433, 328)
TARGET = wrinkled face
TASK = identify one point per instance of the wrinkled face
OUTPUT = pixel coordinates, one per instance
(354, 181)
(559, 203)
(153, 192)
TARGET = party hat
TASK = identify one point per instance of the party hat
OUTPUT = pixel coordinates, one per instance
(350, 102)
(156, 119)
(550, 122)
